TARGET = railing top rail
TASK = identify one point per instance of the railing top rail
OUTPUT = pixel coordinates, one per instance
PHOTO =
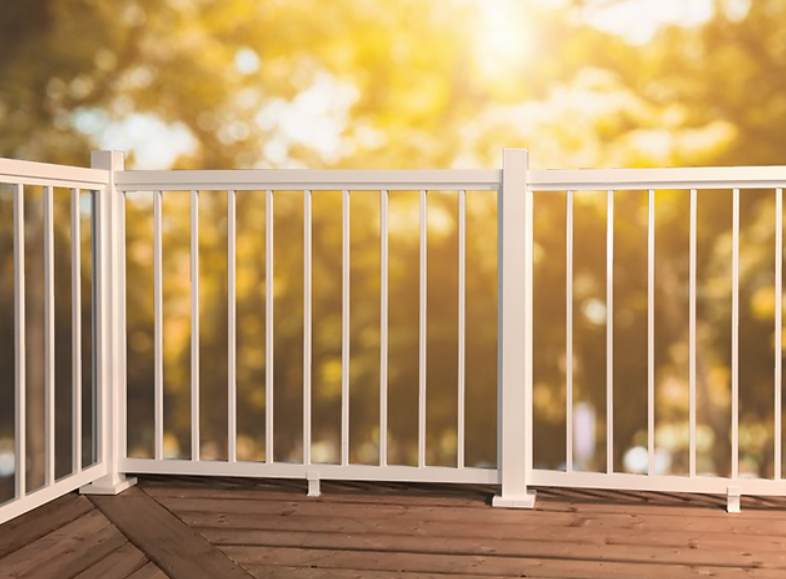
(28, 172)
(313, 179)
(663, 178)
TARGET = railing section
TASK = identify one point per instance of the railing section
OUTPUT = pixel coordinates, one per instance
(311, 183)
(21, 175)
(736, 180)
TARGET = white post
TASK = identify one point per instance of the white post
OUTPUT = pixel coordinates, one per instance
(109, 349)
(515, 332)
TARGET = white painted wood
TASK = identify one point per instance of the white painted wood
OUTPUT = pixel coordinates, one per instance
(735, 334)
(462, 328)
(45, 174)
(422, 316)
(778, 459)
(194, 235)
(314, 180)
(313, 484)
(345, 327)
(569, 331)
(232, 322)
(109, 329)
(692, 332)
(76, 332)
(308, 324)
(20, 349)
(651, 332)
(610, 331)
(269, 313)
(733, 500)
(660, 483)
(49, 336)
(435, 474)
(45, 494)
(122, 333)
(383, 328)
(158, 307)
(515, 331)
(664, 178)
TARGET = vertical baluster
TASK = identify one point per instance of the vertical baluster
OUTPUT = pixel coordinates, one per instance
(462, 326)
(49, 335)
(735, 338)
(651, 331)
(778, 330)
(307, 327)
(76, 332)
(569, 331)
(383, 332)
(345, 328)
(269, 293)
(20, 362)
(158, 307)
(610, 331)
(422, 330)
(232, 322)
(195, 443)
(692, 329)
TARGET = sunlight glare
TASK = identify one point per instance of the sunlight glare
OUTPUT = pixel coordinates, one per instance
(504, 40)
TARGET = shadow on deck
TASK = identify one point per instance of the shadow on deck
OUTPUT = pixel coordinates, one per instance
(194, 528)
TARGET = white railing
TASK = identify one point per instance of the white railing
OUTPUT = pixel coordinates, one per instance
(516, 185)
(19, 175)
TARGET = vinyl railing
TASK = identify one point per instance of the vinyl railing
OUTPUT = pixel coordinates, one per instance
(516, 185)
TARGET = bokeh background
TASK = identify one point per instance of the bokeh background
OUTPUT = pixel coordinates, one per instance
(406, 84)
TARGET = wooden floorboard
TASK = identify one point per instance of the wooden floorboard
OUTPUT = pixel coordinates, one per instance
(149, 571)
(116, 565)
(41, 521)
(182, 527)
(253, 557)
(178, 550)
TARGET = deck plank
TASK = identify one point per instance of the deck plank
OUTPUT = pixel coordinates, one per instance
(41, 521)
(341, 523)
(117, 565)
(718, 522)
(149, 571)
(178, 550)
(253, 557)
(79, 557)
(530, 548)
(51, 545)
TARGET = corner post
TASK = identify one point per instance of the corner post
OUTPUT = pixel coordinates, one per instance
(110, 367)
(515, 332)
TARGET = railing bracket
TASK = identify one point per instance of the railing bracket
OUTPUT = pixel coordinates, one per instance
(526, 501)
(313, 484)
(733, 498)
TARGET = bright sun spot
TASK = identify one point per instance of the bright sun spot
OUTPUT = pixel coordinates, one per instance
(504, 39)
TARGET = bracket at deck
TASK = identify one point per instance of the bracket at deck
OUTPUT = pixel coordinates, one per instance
(313, 484)
(733, 500)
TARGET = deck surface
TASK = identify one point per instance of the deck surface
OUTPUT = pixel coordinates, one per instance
(200, 528)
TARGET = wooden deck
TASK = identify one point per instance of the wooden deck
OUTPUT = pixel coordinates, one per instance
(203, 528)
